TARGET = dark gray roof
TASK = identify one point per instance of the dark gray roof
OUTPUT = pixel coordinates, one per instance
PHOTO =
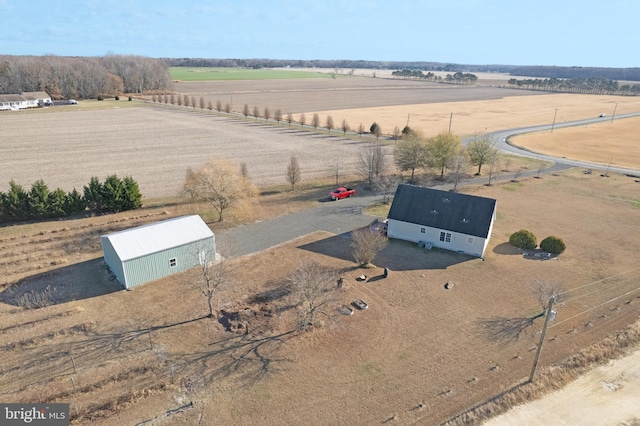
(449, 211)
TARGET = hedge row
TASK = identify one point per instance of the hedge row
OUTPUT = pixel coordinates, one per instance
(39, 202)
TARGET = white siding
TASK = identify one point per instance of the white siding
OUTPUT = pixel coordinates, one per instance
(459, 242)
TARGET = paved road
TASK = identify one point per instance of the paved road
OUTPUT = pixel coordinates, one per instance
(502, 140)
(343, 216)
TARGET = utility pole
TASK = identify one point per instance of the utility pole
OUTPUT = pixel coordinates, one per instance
(614, 112)
(554, 120)
(409, 116)
(548, 317)
(450, 118)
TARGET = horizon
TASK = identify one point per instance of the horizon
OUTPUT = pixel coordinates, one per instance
(500, 33)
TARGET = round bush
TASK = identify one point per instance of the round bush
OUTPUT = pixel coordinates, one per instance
(523, 239)
(117, 98)
(100, 98)
(553, 245)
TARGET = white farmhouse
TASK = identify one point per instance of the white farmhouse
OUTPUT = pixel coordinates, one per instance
(443, 219)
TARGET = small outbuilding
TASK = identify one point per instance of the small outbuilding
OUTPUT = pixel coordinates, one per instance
(443, 219)
(146, 253)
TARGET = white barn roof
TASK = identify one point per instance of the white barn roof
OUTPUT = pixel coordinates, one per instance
(143, 240)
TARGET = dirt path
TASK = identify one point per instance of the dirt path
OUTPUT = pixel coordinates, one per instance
(607, 395)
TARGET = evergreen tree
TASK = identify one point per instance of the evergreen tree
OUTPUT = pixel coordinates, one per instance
(74, 203)
(38, 200)
(15, 202)
(113, 194)
(93, 194)
(56, 203)
(133, 198)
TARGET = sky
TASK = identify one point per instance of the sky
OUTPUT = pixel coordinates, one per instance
(508, 32)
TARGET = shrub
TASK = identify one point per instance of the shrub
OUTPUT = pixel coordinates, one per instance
(523, 239)
(553, 245)
(117, 98)
(100, 98)
(130, 98)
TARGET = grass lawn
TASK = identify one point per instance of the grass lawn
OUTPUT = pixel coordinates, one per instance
(212, 74)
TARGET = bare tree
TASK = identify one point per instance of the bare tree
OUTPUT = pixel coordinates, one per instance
(315, 121)
(494, 167)
(245, 110)
(179, 99)
(315, 288)
(543, 290)
(335, 169)
(481, 150)
(293, 174)
(173, 99)
(218, 106)
(227, 108)
(345, 127)
(510, 329)
(256, 112)
(458, 165)
(186, 100)
(154, 99)
(361, 129)
(303, 120)
(219, 183)
(267, 113)
(277, 115)
(329, 123)
(387, 184)
(190, 185)
(202, 104)
(372, 162)
(397, 134)
(215, 274)
(289, 118)
(193, 101)
(366, 244)
(209, 105)
(540, 167)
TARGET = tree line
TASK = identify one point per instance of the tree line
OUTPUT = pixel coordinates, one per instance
(111, 196)
(458, 77)
(628, 74)
(83, 77)
(591, 85)
(339, 64)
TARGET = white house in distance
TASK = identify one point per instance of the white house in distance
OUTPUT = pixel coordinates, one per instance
(448, 220)
(146, 253)
(25, 100)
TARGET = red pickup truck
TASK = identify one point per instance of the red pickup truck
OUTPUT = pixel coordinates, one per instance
(342, 193)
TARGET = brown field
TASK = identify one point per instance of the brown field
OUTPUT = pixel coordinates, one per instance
(616, 143)
(134, 355)
(125, 357)
(157, 144)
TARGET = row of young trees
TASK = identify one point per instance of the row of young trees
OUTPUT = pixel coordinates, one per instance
(591, 85)
(39, 202)
(83, 77)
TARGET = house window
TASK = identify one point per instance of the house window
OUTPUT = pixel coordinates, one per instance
(469, 240)
(445, 236)
(422, 230)
(173, 262)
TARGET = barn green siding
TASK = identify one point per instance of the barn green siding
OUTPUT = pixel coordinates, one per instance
(154, 266)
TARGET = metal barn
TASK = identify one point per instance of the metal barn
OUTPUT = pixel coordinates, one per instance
(146, 253)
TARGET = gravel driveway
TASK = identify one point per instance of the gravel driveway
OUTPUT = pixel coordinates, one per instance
(332, 216)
